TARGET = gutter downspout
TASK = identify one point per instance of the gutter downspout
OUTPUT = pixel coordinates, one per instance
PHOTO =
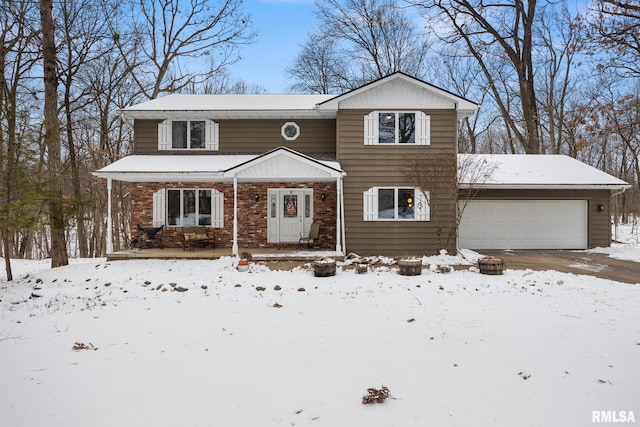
(615, 222)
(234, 250)
(109, 219)
(127, 123)
(619, 192)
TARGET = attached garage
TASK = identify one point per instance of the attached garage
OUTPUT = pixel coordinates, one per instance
(533, 202)
(524, 224)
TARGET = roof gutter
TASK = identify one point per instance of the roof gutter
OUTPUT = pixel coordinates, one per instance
(612, 187)
(313, 113)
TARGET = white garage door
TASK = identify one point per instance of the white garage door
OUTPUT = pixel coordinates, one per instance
(524, 224)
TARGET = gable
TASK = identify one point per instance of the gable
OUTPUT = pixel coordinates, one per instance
(397, 94)
(399, 91)
(285, 164)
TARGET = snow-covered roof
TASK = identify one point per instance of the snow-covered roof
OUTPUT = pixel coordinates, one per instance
(540, 171)
(214, 168)
(397, 91)
(220, 106)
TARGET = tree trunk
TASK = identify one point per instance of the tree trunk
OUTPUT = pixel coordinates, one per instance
(7, 257)
(7, 160)
(52, 137)
(75, 178)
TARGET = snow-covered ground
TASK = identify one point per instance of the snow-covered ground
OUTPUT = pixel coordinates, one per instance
(459, 349)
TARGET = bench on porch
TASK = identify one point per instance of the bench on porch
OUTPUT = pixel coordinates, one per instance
(197, 236)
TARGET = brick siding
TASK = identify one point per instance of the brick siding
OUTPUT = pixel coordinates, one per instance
(252, 214)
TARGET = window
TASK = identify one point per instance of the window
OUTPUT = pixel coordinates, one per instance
(290, 131)
(307, 205)
(290, 206)
(188, 135)
(395, 204)
(397, 127)
(186, 207)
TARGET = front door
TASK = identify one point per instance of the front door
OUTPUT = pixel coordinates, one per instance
(290, 214)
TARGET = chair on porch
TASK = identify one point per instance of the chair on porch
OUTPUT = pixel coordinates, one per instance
(148, 237)
(193, 236)
(314, 234)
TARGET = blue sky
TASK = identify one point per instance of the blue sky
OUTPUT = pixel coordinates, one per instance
(282, 26)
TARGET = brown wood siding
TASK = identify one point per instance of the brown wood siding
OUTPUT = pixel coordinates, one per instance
(145, 136)
(372, 165)
(248, 136)
(599, 223)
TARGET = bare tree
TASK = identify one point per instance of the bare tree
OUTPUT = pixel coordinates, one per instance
(358, 41)
(17, 58)
(82, 31)
(446, 183)
(561, 44)
(223, 82)
(502, 32)
(615, 29)
(463, 75)
(614, 128)
(319, 67)
(52, 137)
(167, 35)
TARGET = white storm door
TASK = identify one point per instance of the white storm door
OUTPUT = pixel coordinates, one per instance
(290, 216)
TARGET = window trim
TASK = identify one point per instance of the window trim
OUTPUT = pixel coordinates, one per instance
(370, 205)
(285, 126)
(211, 134)
(422, 132)
(217, 207)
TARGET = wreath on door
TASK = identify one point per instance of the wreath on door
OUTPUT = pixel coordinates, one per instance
(292, 209)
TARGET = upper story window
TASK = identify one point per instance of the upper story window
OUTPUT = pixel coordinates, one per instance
(290, 131)
(188, 135)
(397, 127)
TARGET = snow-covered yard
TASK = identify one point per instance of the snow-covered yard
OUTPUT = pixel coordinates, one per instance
(457, 349)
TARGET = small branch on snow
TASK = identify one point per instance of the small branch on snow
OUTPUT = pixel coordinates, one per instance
(7, 338)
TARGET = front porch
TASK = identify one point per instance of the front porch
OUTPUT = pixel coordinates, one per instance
(249, 201)
(285, 253)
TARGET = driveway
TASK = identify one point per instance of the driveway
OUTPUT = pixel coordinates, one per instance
(598, 265)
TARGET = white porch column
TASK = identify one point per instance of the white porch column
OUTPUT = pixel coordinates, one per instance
(339, 216)
(234, 249)
(109, 220)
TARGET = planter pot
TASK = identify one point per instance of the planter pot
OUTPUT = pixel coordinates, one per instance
(324, 267)
(362, 268)
(491, 265)
(410, 267)
(243, 265)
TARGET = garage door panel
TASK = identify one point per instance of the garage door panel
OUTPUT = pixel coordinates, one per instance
(524, 224)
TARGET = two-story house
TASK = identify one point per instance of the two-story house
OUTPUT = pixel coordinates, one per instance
(260, 169)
